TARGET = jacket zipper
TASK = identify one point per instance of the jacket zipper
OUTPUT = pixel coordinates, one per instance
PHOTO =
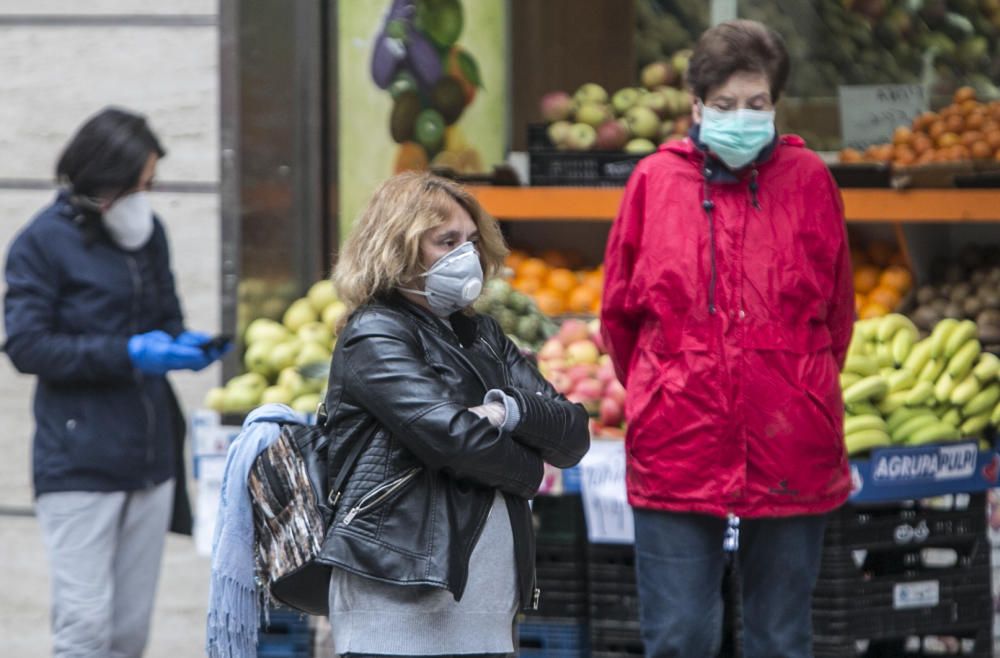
(379, 494)
(146, 402)
(503, 364)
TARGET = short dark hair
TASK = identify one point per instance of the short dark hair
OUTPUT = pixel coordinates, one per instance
(107, 154)
(738, 46)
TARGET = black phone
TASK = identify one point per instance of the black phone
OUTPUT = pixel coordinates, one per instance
(216, 343)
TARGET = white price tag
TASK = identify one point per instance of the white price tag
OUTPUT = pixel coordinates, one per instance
(870, 113)
(921, 594)
(605, 502)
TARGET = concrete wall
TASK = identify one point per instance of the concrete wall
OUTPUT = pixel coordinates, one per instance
(63, 60)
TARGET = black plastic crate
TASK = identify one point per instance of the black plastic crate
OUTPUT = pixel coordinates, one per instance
(552, 639)
(618, 641)
(551, 167)
(903, 525)
(560, 520)
(971, 642)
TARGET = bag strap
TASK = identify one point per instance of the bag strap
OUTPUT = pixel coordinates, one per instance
(345, 470)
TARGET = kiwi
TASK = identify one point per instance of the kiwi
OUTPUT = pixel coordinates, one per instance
(926, 294)
(972, 306)
(940, 305)
(990, 299)
(926, 317)
(960, 292)
(953, 310)
(989, 317)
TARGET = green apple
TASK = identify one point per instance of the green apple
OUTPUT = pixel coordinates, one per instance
(258, 358)
(643, 122)
(214, 398)
(306, 404)
(590, 92)
(276, 395)
(333, 314)
(264, 330)
(624, 100)
(316, 332)
(283, 355)
(299, 313)
(593, 114)
(640, 145)
(312, 353)
(322, 294)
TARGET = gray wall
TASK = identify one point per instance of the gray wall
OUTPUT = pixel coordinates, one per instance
(61, 61)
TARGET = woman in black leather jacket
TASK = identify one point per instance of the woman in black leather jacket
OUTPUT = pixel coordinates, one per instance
(432, 534)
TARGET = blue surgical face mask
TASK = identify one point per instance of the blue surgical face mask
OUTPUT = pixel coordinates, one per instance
(736, 136)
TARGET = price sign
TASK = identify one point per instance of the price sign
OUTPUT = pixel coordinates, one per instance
(870, 113)
(605, 502)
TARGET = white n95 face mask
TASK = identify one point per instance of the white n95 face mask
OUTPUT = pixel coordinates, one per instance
(453, 282)
(129, 220)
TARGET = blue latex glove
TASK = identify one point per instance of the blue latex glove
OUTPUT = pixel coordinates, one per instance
(156, 353)
(198, 339)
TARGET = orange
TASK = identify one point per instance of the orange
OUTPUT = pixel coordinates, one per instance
(859, 302)
(561, 280)
(981, 151)
(865, 279)
(946, 140)
(582, 299)
(970, 137)
(533, 268)
(872, 310)
(902, 135)
(921, 144)
(970, 106)
(886, 296)
(936, 129)
(993, 139)
(975, 121)
(904, 156)
(410, 156)
(963, 94)
(896, 277)
(515, 258)
(594, 279)
(959, 153)
(851, 155)
(954, 124)
(549, 302)
(528, 286)
(556, 258)
(924, 121)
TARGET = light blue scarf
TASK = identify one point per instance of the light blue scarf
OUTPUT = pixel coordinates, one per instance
(234, 604)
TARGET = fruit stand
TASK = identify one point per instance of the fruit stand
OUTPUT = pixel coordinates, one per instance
(925, 259)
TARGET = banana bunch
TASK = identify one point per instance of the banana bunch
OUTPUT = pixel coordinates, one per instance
(899, 390)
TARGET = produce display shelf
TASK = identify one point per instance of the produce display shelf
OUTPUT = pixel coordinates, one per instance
(860, 205)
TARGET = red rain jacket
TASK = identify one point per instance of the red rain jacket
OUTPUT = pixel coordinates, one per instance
(731, 362)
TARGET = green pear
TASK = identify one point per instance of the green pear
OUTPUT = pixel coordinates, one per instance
(316, 332)
(276, 395)
(322, 294)
(333, 314)
(214, 398)
(264, 330)
(306, 404)
(283, 355)
(258, 358)
(292, 381)
(239, 400)
(251, 380)
(312, 353)
(301, 312)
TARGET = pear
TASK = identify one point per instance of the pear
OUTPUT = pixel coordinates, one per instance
(306, 404)
(333, 314)
(312, 353)
(316, 332)
(322, 294)
(258, 358)
(292, 381)
(265, 330)
(283, 355)
(301, 312)
(276, 395)
(214, 398)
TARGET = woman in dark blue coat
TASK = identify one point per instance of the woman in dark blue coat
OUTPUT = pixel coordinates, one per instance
(91, 311)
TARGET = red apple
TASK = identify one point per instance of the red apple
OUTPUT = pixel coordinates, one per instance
(610, 412)
(561, 382)
(589, 389)
(606, 374)
(615, 391)
(556, 106)
(552, 349)
(572, 330)
(580, 371)
(612, 135)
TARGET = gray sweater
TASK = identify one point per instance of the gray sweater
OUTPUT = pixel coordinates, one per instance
(369, 616)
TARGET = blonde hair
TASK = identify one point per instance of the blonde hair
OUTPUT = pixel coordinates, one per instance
(382, 251)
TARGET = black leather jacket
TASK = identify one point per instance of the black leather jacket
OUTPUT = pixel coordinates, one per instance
(419, 496)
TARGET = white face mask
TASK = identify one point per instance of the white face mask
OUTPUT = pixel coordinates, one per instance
(129, 220)
(453, 282)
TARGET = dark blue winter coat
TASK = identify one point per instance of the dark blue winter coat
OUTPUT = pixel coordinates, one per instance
(73, 300)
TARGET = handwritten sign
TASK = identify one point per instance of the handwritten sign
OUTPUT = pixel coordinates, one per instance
(605, 503)
(870, 113)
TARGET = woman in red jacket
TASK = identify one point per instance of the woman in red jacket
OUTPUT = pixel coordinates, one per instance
(728, 309)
